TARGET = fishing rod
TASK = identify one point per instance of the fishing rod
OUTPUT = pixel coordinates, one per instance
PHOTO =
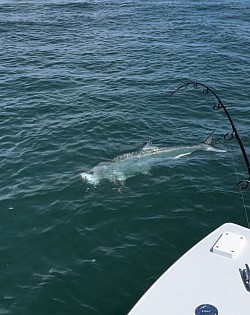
(243, 184)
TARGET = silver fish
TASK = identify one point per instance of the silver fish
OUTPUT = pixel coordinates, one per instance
(140, 162)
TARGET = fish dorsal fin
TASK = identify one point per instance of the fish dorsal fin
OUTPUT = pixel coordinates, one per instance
(209, 139)
(148, 146)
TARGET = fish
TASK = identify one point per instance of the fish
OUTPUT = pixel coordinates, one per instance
(131, 164)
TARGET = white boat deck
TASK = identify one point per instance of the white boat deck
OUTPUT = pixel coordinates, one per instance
(207, 280)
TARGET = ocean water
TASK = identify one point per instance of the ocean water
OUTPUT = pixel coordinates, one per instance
(82, 82)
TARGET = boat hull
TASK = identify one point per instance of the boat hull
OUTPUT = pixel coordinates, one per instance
(206, 280)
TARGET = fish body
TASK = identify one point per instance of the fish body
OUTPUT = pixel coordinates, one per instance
(140, 162)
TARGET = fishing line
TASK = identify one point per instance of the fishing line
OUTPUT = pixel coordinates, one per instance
(241, 191)
(243, 184)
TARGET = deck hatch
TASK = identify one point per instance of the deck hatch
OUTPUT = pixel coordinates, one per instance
(229, 245)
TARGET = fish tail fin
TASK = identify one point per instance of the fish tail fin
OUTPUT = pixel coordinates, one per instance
(208, 143)
(209, 139)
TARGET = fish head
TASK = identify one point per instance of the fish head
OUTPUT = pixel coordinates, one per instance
(90, 178)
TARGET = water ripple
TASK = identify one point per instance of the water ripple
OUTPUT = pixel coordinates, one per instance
(83, 82)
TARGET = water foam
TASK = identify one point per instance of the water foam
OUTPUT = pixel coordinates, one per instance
(90, 178)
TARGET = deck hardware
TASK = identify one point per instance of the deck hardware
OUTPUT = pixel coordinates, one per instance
(246, 277)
